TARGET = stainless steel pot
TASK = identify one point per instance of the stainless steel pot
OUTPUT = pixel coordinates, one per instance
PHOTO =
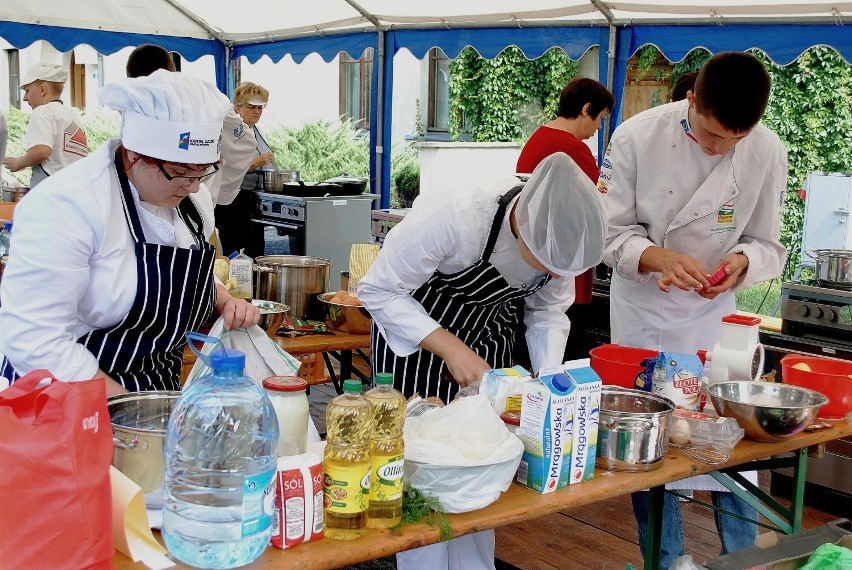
(633, 429)
(294, 280)
(833, 266)
(273, 180)
(139, 421)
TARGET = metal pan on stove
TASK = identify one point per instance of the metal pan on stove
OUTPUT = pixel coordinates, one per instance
(312, 189)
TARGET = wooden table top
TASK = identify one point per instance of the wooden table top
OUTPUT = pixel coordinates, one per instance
(518, 504)
(322, 342)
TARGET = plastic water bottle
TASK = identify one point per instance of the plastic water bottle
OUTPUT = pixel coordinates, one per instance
(387, 450)
(346, 462)
(220, 466)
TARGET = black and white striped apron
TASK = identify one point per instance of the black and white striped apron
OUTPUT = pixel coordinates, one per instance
(175, 293)
(476, 304)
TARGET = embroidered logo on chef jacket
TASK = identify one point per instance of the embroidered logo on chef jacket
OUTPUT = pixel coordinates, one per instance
(724, 220)
(608, 150)
(239, 132)
(606, 164)
(686, 130)
(184, 141)
(602, 187)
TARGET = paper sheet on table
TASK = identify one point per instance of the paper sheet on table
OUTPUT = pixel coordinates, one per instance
(264, 357)
(131, 534)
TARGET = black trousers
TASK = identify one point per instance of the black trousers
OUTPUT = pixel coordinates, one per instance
(236, 230)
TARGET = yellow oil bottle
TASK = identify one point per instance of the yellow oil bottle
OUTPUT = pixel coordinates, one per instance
(346, 463)
(387, 449)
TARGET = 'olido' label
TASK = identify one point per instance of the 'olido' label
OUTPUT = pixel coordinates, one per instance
(386, 484)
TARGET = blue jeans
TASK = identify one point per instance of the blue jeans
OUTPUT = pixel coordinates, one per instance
(734, 533)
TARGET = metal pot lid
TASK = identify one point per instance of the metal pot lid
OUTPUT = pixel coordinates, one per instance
(346, 178)
(844, 253)
(291, 261)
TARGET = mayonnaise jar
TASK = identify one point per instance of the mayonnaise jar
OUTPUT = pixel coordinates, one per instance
(290, 401)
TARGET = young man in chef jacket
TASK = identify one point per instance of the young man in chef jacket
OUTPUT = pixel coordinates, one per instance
(55, 138)
(692, 187)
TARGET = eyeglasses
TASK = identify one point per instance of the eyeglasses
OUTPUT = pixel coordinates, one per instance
(186, 180)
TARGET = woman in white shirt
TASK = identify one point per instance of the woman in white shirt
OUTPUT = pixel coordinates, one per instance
(111, 263)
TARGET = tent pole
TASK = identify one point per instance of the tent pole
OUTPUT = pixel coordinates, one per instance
(380, 112)
(610, 79)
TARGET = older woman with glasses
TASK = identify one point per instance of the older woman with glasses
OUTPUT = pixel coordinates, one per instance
(111, 262)
(234, 211)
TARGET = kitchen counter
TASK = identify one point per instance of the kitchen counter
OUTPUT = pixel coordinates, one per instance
(519, 503)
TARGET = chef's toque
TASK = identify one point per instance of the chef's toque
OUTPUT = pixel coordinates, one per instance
(561, 217)
(168, 115)
(46, 72)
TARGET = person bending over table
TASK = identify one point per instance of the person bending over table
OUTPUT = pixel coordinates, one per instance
(457, 275)
(111, 263)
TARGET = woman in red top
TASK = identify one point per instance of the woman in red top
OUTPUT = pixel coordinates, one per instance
(583, 104)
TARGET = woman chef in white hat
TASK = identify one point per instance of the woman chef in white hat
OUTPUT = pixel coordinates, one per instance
(110, 264)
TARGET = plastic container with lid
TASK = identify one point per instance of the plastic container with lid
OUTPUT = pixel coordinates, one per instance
(288, 397)
(220, 466)
(512, 420)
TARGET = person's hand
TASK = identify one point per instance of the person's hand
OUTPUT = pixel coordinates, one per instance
(261, 160)
(13, 163)
(466, 366)
(735, 265)
(238, 313)
(678, 269)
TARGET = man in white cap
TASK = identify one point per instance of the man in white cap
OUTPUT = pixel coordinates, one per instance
(111, 264)
(55, 138)
(456, 276)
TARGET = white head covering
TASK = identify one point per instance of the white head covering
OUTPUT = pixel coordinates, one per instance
(170, 116)
(46, 72)
(561, 217)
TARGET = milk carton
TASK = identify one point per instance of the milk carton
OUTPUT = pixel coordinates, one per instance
(546, 422)
(587, 403)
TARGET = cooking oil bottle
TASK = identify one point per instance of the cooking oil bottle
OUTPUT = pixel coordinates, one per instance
(387, 449)
(346, 462)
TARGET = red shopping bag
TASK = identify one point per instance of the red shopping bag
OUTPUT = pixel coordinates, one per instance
(55, 495)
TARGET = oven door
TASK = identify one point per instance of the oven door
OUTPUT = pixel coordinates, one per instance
(279, 237)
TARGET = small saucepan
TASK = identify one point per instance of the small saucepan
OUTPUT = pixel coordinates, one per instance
(833, 266)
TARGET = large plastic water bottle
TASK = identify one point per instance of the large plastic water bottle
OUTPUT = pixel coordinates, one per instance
(220, 466)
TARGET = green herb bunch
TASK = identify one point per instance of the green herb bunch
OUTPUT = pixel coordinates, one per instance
(416, 507)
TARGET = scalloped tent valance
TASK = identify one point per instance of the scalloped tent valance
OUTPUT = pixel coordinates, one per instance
(782, 29)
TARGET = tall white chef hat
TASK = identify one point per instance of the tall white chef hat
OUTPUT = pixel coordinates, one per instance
(168, 115)
(561, 217)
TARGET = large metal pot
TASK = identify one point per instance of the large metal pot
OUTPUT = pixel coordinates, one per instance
(833, 266)
(294, 280)
(633, 429)
(139, 421)
(274, 180)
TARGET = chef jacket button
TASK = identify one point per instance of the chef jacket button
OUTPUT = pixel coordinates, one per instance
(674, 146)
(670, 192)
(523, 285)
(695, 214)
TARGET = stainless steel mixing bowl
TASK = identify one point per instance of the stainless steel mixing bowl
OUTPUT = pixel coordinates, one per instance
(765, 410)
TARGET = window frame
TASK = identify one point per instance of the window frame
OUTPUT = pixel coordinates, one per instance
(365, 81)
(436, 55)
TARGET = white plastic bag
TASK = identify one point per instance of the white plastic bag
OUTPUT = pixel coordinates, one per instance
(461, 454)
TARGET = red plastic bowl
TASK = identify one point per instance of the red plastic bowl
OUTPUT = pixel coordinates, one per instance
(830, 377)
(618, 365)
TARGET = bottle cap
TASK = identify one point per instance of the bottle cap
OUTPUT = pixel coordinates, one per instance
(511, 418)
(384, 378)
(227, 359)
(561, 382)
(352, 385)
(7, 226)
(285, 383)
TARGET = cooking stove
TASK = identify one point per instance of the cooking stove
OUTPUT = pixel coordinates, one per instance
(814, 312)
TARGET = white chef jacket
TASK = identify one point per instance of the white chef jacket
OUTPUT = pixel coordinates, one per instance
(55, 125)
(662, 190)
(238, 149)
(446, 232)
(72, 265)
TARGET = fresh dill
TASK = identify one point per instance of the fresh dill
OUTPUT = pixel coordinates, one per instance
(416, 507)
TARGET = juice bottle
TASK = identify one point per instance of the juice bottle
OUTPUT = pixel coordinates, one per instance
(346, 462)
(387, 449)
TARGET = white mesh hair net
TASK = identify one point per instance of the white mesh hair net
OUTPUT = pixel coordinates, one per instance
(561, 217)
